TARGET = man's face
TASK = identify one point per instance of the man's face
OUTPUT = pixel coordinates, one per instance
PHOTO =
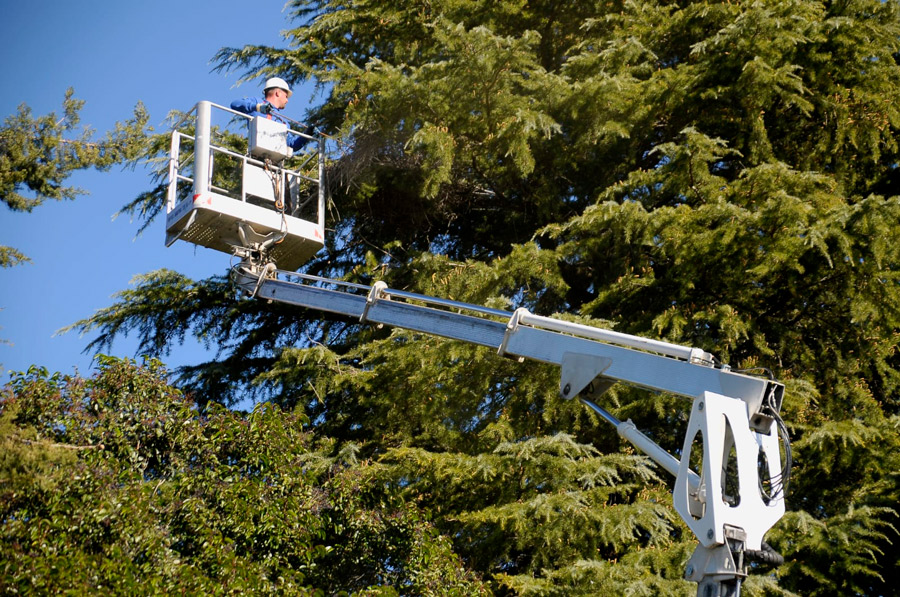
(278, 98)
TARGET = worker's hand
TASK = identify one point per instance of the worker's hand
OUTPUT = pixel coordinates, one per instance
(264, 108)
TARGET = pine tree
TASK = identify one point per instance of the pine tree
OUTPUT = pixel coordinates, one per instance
(717, 174)
(38, 154)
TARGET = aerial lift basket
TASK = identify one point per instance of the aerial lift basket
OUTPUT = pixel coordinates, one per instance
(262, 199)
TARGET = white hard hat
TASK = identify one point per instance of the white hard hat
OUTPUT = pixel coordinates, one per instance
(277, 83)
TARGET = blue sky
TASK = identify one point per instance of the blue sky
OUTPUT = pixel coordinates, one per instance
(113, 54)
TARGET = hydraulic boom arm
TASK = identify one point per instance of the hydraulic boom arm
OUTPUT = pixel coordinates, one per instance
(734, 418)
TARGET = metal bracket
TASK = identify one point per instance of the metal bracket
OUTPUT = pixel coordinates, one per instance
(376, 293)
(723, 425)
(171, 238)
(719, 570)
(580, 371)
(261, 242)
(511, 327)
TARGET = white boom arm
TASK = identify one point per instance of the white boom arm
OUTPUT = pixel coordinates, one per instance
(733, 418)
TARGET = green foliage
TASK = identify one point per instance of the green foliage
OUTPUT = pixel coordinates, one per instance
(10, 257)
(38, 154)
(849, 542)
(526, 506)
(717, 174)
(25, 458)
(117, 484)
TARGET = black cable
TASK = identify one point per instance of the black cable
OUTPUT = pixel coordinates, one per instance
(788, 456)
(766, 555)
(765, 370)
(778, 485)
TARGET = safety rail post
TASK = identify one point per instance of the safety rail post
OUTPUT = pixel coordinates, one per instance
(174, 155)
(321, 219)
(202, 158)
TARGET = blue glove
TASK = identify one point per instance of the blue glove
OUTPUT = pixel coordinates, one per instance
(264, 108)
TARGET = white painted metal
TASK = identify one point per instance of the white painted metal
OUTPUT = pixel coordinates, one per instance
(578, 371)
(257, 182)
(202, 152)
(694, 355)
(705, 509)
(725, 403)
(223, 219)
(268, 139)
(513, 337)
